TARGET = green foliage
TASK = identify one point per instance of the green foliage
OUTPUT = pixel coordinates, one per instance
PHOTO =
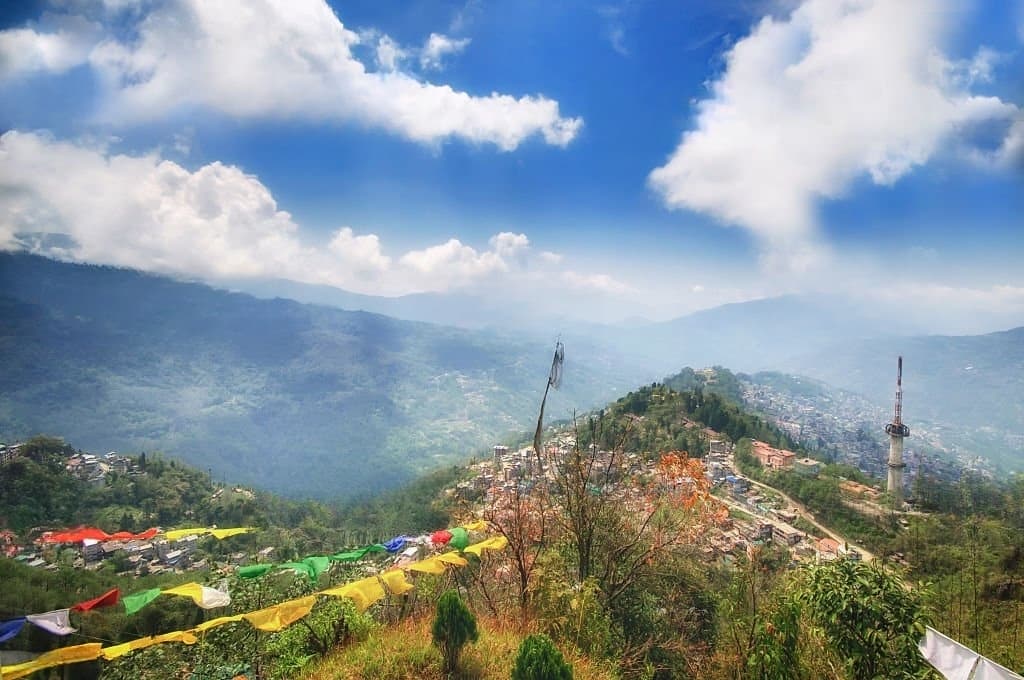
(539, 659)
(454, 626)
(868, 616)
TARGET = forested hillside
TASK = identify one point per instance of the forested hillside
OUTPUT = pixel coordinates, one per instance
(299, 399)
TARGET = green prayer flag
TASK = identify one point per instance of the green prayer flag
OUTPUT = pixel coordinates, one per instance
(254, 570)
(460, 538)
(357, 554)
(319, 564)
(136, 601)
(300, 567)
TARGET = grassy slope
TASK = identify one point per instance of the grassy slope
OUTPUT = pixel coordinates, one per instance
(403, 652)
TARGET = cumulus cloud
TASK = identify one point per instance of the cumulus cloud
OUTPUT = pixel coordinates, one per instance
(219, 222)
(437, 47)
(295, 59)
(274, 59)
(57, 44)
(838, 90)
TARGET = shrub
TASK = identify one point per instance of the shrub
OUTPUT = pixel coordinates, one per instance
(454, 626)
(539, 659)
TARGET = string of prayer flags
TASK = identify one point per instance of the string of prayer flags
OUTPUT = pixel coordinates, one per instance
(493, 543)
(460, 538)
(280, 616)
(56, 622)
(204, 596)
(107, 599)
(57, 657)
(10, 628)
(363, 593)
(136, 601)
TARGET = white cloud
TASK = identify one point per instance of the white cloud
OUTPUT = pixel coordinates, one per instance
(218, 222)
(602, 283)
(389, 55)
(294, 59)
(808, 104)
(549, 257)
(437, 47)
(60, 43)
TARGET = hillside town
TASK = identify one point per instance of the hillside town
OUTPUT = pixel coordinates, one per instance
(754, 516)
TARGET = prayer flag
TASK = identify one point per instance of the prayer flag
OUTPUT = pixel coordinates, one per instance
(204, 596)
(57, 657)
(949, 657)
(460, 538)
(107, 599)
(254, 570)
(10, 628)
(136, 601)
(56, 622)
(282, 615)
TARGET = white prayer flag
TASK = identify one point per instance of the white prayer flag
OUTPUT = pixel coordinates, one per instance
(949, 657)
(990, 670)
(56, 622)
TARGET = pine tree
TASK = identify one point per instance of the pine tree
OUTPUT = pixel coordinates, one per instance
(539, 659)
(454, 626)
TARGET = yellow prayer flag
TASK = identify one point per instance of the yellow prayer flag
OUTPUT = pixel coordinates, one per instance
(493, 543)
(117, 651)
(57, 657)
(176, 534)
(193, 590)
(478, 525)
(431, 565)
(280, 616)
(452, 557)
(347, 591)
(225, 533)
(396, 582)
(213, 623)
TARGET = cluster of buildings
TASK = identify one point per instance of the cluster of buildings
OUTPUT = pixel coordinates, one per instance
(761, 519)
(93, 468)
(9, 452)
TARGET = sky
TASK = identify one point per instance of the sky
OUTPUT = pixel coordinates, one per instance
(607, 160)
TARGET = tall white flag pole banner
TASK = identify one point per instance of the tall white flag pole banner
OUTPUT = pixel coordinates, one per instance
(956, 662)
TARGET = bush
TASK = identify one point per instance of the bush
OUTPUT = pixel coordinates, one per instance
(539, 659)
(454, 626)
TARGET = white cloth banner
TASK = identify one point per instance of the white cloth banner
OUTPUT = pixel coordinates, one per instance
(56, 622)
(990, 670)
(949, 657)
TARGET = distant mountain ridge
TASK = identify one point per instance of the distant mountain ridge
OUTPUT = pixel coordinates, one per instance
(295, 398)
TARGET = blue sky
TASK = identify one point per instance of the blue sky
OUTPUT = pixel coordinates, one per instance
(631, 158)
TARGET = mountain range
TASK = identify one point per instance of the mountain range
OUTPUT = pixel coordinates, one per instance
(316, 400)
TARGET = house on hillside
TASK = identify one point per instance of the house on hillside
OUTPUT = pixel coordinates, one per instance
(771, 457)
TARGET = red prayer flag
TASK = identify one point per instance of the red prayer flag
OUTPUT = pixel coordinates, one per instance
(440, 537)
(107, 599)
